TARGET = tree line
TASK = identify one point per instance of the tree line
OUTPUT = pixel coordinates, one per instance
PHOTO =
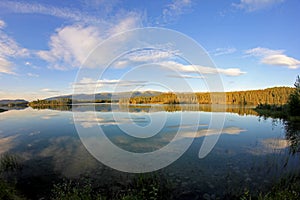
(275, 95)
(270, 96)
(56, 102)
(289, 110)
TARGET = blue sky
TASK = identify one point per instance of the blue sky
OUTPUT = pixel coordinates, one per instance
(254, 44)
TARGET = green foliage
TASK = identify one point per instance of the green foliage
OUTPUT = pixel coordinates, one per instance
(294, 99)
(149, 187)
(297, 83)
(57, 102)
(142, 187)
(286, 189)
(274, 111)
(294, 104)
(8, 192)
(70, 190)
(287, 111)
(8, 163)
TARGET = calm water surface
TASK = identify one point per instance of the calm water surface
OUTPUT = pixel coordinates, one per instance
(252, 152)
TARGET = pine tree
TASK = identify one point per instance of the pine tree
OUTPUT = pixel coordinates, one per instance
(294, 100)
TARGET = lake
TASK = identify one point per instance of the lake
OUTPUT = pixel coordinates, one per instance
(251, 152)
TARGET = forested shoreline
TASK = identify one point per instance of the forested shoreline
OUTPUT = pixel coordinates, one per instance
(273, 96)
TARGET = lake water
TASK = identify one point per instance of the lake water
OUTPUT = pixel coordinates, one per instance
(252, 152)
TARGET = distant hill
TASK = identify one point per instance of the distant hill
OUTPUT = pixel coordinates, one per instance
(17, 102)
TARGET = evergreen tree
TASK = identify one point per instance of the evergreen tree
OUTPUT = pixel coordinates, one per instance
(294, 100)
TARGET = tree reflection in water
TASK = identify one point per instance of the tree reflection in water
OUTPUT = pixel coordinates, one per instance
(292, 128)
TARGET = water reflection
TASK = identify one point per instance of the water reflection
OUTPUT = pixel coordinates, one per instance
(106, 107)
(293, 134)
(250, 153)
(6, 143)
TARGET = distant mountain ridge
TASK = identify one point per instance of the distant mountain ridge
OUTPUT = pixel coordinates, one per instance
(6, 102)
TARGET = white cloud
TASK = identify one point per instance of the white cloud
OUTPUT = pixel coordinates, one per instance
(282, 60)
(253, 5)
(8, 49)
(201, 69)
(274, 57)
(223, 51)
(175, 9)
(70, 45)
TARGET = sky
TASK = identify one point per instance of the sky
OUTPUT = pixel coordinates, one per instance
(50, 47)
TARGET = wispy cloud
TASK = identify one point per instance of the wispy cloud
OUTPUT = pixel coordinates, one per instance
(6, 66)
(274, 57)
(152, 55)
(259, 51)
(167, 57)
(9, 49)
(253, 5)
(37, 8)
(103, 6)
(201, 69)
(186, 76)
(175, 9)
(48, 90)
(146, 56)
(32, 75)
(69, 45)
(223, 51)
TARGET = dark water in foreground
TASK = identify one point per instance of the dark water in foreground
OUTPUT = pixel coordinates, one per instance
(252, 152)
